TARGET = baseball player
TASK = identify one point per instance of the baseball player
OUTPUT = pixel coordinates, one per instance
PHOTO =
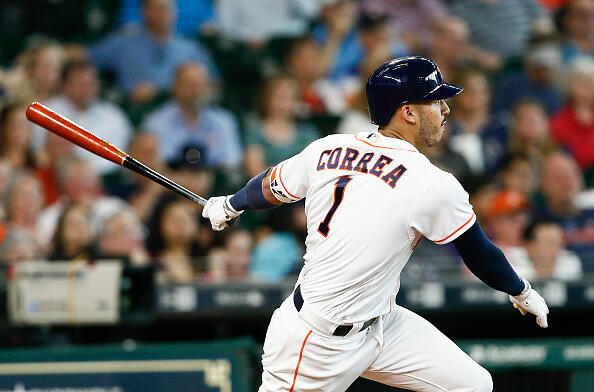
(369, 199)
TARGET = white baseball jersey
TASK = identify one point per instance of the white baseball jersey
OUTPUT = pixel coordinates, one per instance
(369, 201)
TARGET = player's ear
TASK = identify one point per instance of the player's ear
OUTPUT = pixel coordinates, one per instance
(408, 113)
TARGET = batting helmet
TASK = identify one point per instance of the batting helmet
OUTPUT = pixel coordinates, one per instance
(403, 80)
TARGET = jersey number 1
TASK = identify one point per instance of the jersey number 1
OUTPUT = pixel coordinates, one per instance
(339, 186)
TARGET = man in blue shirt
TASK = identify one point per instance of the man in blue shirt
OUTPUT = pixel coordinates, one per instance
(144, 60)
(187, 120)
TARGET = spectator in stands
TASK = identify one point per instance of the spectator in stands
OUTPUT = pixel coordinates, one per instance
(79, 183)
(345, 44)
(144, 60)
(54, 149)
(561, 181)
(188, 119)
(319, 95)
(140, 192)
(79, 101)
(502, 27)
(548, 258)
(18, 245)
(73, 238)
(5, 179)
(172, 240)
(577, 27)
(477, 135)
(412, 19)
(518, 174)
(192, 17)
(276, 135)
(256, 21)
(37, 74)
(541, 64)
(191, 171)
(573, 127)
(25, 201)
(122, 237)
(529, 133)
(275, 257)
(15, 136)
(507, 218)
(231, 262)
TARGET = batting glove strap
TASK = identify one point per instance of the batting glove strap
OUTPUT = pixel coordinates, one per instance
(529, 301)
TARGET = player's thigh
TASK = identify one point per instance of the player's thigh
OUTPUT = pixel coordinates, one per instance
(297, 359)
(417, 356)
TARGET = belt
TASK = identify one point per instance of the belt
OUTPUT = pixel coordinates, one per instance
(341, 330)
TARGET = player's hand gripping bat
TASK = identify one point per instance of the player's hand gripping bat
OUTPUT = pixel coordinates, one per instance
(69, 130)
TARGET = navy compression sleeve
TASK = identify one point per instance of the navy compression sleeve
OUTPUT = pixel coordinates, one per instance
(251, 196)
(487, 262)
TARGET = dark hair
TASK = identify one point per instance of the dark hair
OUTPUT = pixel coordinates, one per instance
(530, 230)
(510, 158)
(76, 65)
(154, 241)
(6, 110)
(268, 87)
(58, 246)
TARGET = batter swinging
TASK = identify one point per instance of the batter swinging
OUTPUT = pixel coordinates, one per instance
(369, 199)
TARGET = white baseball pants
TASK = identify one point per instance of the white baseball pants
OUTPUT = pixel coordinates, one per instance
(400, 349)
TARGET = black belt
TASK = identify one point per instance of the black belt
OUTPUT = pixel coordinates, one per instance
(341, 330)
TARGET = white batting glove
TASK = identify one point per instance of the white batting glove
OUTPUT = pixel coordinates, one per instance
(219, 211)
(529, 301)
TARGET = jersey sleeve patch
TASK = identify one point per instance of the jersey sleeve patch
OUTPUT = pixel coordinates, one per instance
(277, 187)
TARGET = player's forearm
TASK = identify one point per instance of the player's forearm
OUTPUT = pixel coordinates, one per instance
(256, 195)
(487, 262)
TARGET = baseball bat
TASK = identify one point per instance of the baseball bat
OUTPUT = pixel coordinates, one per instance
(69, 130)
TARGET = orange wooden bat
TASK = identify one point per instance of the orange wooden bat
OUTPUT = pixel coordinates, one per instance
(69, 130)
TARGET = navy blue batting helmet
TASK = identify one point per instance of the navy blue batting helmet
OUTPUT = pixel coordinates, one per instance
(404, 80)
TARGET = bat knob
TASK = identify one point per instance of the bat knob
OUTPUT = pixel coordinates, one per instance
(233, 222)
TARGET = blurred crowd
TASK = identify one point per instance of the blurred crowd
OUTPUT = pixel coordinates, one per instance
(212, 92)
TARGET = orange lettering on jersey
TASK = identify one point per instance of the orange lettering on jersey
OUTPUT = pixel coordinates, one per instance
(377, 169)
(349, 156)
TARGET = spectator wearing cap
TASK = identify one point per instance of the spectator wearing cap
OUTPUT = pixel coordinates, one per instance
(577, 28)
(276, 135)
(191, 171)
(345, 45)
(541, 64)
(547, 256)
(507, 218)
(561, 182)
(573, 127)
(502, 27)
(188, 119)
(79, 101)
(144, 60)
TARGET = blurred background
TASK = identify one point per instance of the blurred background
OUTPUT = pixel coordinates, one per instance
(109, 282)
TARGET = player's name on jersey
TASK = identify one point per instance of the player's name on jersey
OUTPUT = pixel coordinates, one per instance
(350, 159)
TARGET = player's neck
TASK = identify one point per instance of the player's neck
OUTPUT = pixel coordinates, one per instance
(397, 134)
